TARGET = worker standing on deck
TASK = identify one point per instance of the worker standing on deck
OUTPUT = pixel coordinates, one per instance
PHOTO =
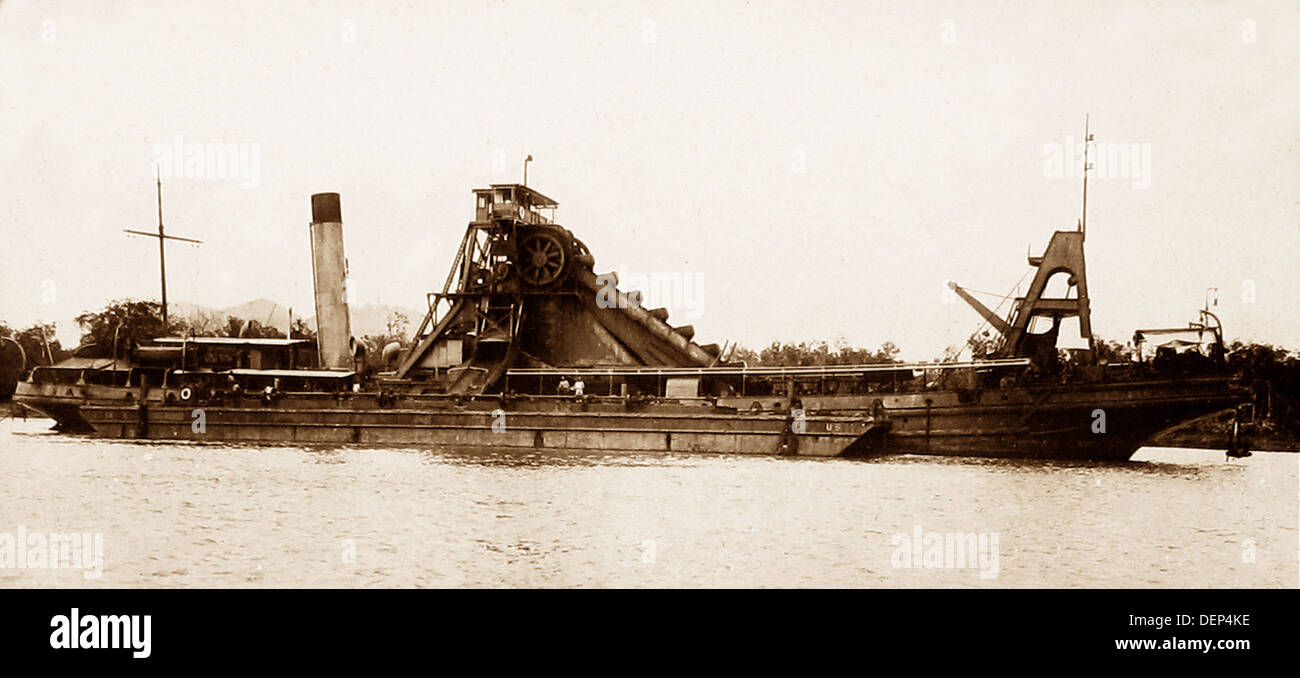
(563, 388)
(578, 386)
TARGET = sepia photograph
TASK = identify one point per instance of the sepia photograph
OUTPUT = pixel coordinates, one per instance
(651, 294)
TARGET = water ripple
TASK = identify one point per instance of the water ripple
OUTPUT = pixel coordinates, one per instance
(219, 515)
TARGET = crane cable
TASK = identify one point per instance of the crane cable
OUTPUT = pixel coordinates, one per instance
(996, 309)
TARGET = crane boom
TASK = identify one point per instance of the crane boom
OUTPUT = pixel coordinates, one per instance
(992, 318)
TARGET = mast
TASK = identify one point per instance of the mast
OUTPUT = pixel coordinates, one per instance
(1085, 323)
(162, 254)
(1087, 139)
(162, 250)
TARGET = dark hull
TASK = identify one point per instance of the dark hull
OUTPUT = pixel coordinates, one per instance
(1054, 434)
(1097, 421)
(65, 411)
(551, 426)
(1083, 421)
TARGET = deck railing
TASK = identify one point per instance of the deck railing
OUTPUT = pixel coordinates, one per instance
(517, 211)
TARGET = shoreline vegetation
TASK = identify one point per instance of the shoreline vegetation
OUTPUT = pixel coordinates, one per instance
(1273, 372)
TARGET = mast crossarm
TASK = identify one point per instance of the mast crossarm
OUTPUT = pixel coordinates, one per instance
(165, 237)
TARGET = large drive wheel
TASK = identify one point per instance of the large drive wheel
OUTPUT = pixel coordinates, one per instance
(544, 255)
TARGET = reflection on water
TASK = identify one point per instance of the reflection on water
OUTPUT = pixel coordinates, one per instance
(209, 515)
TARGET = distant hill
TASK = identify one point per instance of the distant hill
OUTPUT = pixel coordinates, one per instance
(365, 318)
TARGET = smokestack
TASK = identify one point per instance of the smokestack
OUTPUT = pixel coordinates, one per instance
(329, 271)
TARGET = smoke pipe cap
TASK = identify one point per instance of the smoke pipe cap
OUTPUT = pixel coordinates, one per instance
(325, 208)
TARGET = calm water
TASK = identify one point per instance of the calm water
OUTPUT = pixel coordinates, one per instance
(188, 515)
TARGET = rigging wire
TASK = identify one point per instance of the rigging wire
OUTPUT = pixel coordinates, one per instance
(994, 294)
(996, 310)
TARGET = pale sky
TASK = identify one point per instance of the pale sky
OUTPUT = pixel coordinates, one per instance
(811, 170)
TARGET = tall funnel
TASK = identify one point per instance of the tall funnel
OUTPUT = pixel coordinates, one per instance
(329, 270)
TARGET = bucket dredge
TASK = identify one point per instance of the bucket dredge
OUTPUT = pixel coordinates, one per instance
(521, 293)
(522, 315)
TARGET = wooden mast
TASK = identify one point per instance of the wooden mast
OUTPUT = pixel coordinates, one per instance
(162, 251)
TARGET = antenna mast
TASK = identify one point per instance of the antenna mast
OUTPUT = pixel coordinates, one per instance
(1087, 139)
(162, 252)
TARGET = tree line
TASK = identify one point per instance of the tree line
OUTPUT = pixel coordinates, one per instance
(124, 323)
(818, 353)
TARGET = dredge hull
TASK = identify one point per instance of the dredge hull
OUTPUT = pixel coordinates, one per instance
(536, 424)
(1107, 422)
(522, 311)
(1098, 421)
(62, 403)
